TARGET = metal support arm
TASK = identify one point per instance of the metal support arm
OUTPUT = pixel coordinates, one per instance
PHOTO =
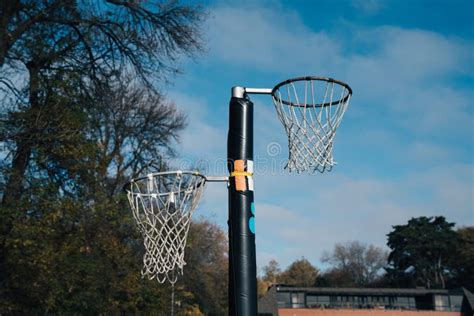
(240, 92)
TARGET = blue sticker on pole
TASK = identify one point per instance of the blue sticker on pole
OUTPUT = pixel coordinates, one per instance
(252, 224)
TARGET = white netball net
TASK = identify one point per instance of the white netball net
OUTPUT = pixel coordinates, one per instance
(311, 109)
(163, 204)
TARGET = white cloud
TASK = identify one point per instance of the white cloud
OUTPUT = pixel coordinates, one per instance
(428, 153)
(452, 190)
(269, 40)
(281, 234)
(202, 138)
(414, 54)
(409, 72)
(214, 202)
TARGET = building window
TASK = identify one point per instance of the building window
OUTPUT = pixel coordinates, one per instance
(455, 302)
(283, 299)
(297, 300)
(321, 301)
(376, 302)
(441, 303)
(405, 302)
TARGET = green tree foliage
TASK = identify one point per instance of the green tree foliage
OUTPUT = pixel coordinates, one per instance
(462, 260)
(421, 250)
(88, 260)
(77, 260)
(300, 273)
(354, 264)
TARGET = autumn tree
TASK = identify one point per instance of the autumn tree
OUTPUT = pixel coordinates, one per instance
(300, 273)
(205, 279)
(354, 264)
(271, 275)
(420, 251)
(272, 272)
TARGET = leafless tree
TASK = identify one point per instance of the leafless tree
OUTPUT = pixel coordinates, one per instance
(357, 263)
(135, 129)
(87, 41)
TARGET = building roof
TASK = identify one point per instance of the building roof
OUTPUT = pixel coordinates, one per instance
(361, 291)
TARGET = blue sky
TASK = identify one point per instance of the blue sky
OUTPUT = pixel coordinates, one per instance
(404, 148)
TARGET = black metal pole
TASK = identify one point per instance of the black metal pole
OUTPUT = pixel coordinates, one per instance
(172, 298)
(242, 259)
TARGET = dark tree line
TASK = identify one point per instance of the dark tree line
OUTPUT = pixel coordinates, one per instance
(427, 252)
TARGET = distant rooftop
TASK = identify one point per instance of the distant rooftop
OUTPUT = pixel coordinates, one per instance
(366, 291)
